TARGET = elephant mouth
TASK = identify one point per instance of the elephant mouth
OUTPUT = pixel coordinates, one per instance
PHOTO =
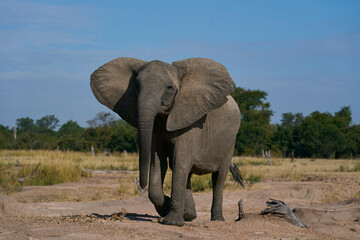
(165, 109)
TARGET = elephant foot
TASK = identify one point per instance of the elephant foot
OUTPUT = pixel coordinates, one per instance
(189, 212)
(189, 216)
(217, 218)
(165, 208)
(174, 220)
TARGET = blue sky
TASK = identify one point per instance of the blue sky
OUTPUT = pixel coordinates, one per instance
(304, 54)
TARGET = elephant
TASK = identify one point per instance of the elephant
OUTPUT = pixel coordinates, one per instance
(186, 119)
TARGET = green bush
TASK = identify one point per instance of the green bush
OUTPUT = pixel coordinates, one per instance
(253, 178)
(201, 183)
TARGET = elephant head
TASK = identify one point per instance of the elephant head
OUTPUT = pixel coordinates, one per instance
(139, 91)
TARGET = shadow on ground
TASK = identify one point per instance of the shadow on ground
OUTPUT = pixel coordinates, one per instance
(118, 216)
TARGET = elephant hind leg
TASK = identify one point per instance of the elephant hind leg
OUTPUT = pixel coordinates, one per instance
(189, 210)
(218, 181)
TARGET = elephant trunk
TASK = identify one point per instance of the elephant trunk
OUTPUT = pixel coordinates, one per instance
(146, 117)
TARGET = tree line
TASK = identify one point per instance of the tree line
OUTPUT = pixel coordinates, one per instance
(104, 133)
(319, 135)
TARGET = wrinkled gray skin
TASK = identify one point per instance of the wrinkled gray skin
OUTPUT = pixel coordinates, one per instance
(185, 118)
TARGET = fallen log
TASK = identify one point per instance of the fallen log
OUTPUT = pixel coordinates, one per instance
(278, 207)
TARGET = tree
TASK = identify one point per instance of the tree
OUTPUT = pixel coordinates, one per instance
(320, 136)
(352, 146)
(290, 120)
(49, 122)
(283, 139)
(98, 137)
(70, 128)
(6, 138)
(124, 138)
(25, 124)
(71, 136)
(255, 130)
(285, 135)
(342, 118)
(102, 119)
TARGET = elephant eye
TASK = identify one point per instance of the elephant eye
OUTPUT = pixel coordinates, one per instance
(169, 87)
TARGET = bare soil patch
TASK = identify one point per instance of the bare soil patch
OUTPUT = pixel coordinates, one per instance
(58, 212)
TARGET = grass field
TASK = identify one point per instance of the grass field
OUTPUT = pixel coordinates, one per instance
(55, 167)
(59, 167)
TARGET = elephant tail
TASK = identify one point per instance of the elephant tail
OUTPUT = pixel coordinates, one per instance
(235, 171)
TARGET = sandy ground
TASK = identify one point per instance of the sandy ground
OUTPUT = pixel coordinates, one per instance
(35, 213)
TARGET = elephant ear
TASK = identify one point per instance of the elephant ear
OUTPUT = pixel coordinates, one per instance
(203, 88)
(113, 86)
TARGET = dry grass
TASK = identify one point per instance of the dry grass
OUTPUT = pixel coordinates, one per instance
(296, 170)
(117, 161)
(344, 188)
(58, 167)
(342, 173)
(55, 167)
(15, 165)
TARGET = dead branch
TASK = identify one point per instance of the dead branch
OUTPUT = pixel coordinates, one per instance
(142, 190)
(93, 150)
(30, 176)
(278, 207)
(268, 155)
(292, 156)
(241, 210)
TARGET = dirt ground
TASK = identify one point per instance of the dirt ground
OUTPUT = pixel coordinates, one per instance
(58, 212)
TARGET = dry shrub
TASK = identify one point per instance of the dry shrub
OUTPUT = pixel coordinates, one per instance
(342, 190)
(128, 189)
(49, 172)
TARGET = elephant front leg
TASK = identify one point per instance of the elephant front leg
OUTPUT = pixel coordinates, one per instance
(175, 216)
(158, 169)
(189, 211)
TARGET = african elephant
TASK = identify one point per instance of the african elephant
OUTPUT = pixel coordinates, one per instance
(185, 118)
